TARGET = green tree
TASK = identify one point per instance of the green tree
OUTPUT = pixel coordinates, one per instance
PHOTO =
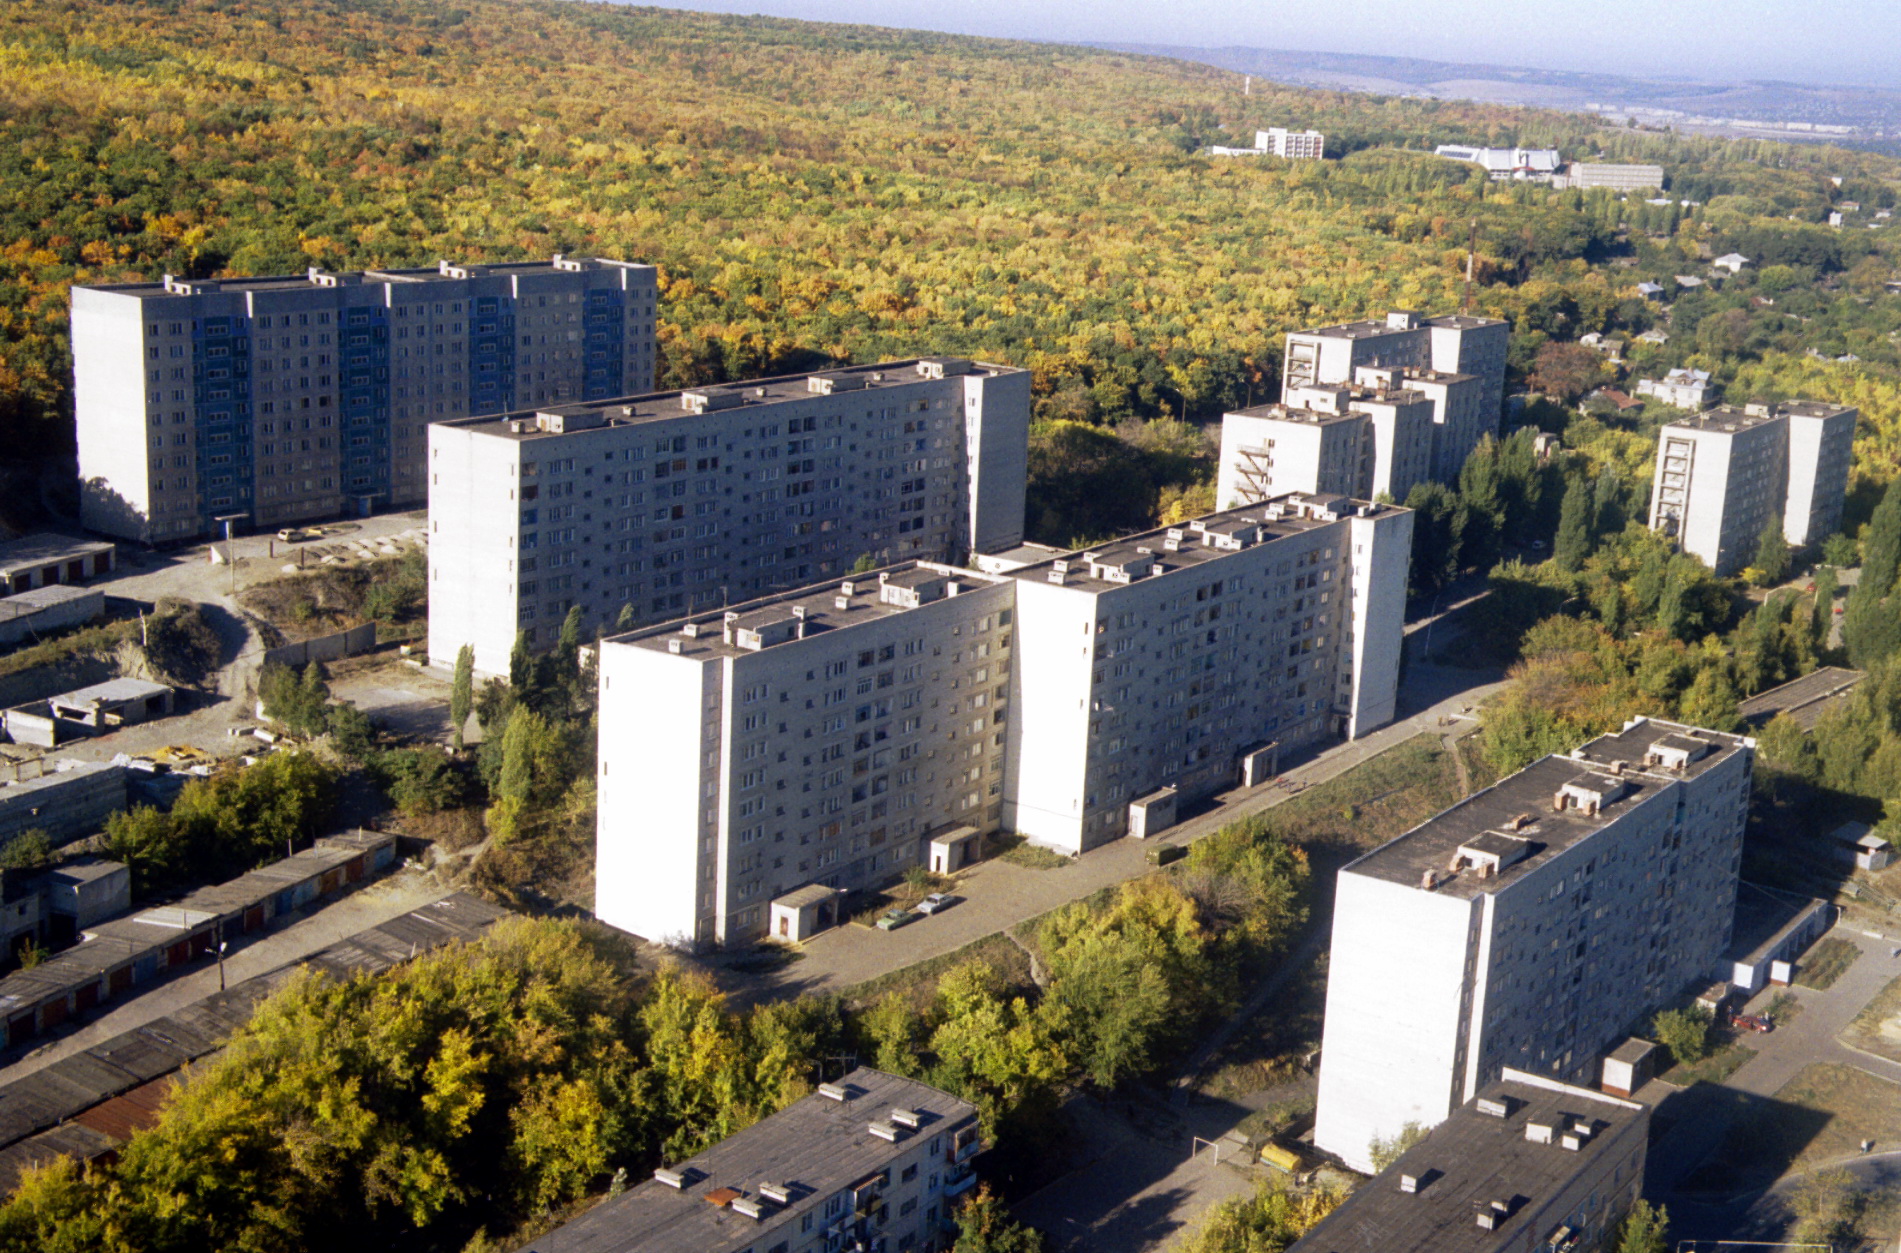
(1711, 700)
(625, 619)
(462, 693)
(30, 850)
(1772, 554)
(1684, 1032)
(1385, 1152)
(984, 1225)
(1822, 619)
(1573, 543)
(299, 700)
(1645, 1229)
(1267, 1222)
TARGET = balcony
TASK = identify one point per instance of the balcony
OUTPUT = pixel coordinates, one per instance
(959, 1181)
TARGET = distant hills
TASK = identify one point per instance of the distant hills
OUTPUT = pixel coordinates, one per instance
(1856, 116)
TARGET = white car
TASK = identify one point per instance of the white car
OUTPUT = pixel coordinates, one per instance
(937, 902)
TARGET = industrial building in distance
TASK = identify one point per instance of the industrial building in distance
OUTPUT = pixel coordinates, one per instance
(758, 762)
(1528, 925)
(283, 399)
(1726, 475)
(869, 1162)
(1528, 1163)
(679, 502)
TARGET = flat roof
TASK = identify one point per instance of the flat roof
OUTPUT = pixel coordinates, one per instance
(724, 397)
(1294, 413)
(1192, 552)
(56, 779)
(1504, 807)
(1726, 419)
(45, 548)
(39, 599)
(1764, 919)
(318, 280)
(816, 606)
(814, 1149)
(1471, 1160)
(111, 690)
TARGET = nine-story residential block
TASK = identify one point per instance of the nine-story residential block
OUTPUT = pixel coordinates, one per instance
(1528, 926)
(1360, 441)
(1163, 665)
(1724, 476)
(287, 399)
(680, 502)
(757, 763)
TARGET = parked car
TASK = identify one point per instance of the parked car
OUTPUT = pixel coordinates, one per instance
(298, 534)
(1753, 1022)
(1162, 854)
(937, 902)
(896, 918)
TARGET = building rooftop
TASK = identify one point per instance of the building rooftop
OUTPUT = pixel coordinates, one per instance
(810, 611)
(805, 1153)
(1813, 408)
(1194, 542)
(1494, 837)
(1487, 1156)
(553, 421)
(38, 599)
(70, 772)
(1294, 413)
(443, 271)
(1726, 419)
(1805, 699)
(110, 691)
(45, 548)
(1764, 919)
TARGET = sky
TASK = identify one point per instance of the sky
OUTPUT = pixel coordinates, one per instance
(1816, 41)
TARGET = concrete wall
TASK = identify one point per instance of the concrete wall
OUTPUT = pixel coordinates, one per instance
(337, 644)
(1375, 637)
(997, 433)
(116, 448)
(50, 610)
(1821, 449)
(66, 804)
(1394, 1031)
(1046, 768)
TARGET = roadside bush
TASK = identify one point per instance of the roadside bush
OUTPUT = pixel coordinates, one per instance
(421, 780)
(179, 643)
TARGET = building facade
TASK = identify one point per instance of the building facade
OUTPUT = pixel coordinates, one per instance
(1528, 926)
(823, 737)
(1359, 441)
(869, 1162)
(679, 502)
(1527, 1164)
(1724, 476)
(1534, 165)
(1454, 344)
(1614, 177)
(1170, 659)
(284, 399)
(1307, 145)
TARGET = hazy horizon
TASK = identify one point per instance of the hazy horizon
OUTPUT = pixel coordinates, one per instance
(1700, 40)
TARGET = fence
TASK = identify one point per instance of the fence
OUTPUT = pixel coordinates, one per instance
(357, 639)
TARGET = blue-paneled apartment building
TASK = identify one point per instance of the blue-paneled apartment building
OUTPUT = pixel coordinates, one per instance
(288, 399)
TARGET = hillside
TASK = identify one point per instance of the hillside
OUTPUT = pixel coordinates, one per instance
(819, 191)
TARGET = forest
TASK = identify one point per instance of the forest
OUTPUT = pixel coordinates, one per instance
(818, 193)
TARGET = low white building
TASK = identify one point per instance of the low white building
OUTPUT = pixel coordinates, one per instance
(1682, 388)
(1307, 145)
(1613, 177)
(682, 502)
(1528, 926)
(1537, 165)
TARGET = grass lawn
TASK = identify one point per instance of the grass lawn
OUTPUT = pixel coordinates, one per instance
(1715, 1068)
(1821, 1115)
(1378, 799)
(1877, 1029)
(1828, 961)
(1268, 1049)
(1018, 851)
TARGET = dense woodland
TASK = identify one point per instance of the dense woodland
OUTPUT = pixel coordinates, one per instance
(817, 194)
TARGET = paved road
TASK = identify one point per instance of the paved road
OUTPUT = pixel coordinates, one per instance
(1811, 1038)
(999, 895)
(370, 906)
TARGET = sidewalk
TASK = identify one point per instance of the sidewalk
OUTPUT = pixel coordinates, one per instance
(998, 895)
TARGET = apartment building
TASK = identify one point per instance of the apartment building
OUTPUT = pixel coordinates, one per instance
(1451, 345)
(1364, 442)
(1821, 452)
(1528, 926)
(823, 739)
(1157, 667)
(679, 502)
(1723, 476)
(1307, 145)
(869, 1162)
(283, 399)
(1527, 1164)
